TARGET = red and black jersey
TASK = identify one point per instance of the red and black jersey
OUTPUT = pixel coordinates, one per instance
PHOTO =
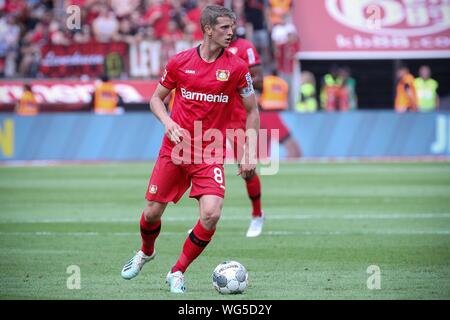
(245, 50)
(205, 91)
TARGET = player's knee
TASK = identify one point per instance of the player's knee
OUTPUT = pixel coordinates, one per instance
(153, 211)
(210, 216)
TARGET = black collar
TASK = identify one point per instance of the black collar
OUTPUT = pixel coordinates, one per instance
(220, 54)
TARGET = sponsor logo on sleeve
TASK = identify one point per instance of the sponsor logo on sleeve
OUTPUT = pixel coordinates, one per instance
(248, 90)
(251, 56)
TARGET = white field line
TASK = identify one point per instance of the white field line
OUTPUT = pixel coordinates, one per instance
(268, 233)
(372, 232)
(393, 216)
(78, 234)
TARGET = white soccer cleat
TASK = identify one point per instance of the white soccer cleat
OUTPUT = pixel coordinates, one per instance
(176, 282)
(132, 268)
(256, 226)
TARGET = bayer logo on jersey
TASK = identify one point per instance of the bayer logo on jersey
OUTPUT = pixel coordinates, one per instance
(222, 75)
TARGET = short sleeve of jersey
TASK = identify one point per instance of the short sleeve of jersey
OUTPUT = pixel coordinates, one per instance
(245, 80)
(252, 56)
(168, 78)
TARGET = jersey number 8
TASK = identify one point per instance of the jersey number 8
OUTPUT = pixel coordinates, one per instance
(218, 176)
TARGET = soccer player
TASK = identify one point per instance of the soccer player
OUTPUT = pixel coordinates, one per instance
(245, 50)
(208, 79)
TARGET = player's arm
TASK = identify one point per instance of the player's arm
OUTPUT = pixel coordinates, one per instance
(248, 164)
(173, 130)
(257, 76)
(251, 108)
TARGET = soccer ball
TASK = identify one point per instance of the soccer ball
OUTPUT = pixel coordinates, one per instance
(230, 277)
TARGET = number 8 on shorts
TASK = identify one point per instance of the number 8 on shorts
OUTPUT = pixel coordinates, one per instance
(218, 175)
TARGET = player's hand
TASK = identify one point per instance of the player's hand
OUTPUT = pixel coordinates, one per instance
(246, 170)
(173, 131)
(247, 167)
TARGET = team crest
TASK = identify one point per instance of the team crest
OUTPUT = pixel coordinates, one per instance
(222, 75)
(153, 188)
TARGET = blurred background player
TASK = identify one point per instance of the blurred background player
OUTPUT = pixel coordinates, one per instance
(406, 95)
(27, 105)
(275, 98)
(245, 50)
(426, 87)
(212, 71)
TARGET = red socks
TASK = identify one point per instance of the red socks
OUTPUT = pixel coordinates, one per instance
(254, 193)
(195, 243)
(149, 233)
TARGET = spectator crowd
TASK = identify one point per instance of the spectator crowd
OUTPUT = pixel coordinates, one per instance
(27, 25)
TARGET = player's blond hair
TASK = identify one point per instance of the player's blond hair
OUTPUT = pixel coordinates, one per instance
(211, 13)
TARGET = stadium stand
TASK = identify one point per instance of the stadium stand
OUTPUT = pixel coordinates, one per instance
(57, 44)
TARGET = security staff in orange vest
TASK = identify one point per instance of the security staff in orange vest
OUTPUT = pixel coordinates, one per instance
(27, 104)
(275, 95)
(406, 95)
(105, 97)
(275, 98)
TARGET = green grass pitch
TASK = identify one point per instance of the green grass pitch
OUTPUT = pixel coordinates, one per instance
(326, 224)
